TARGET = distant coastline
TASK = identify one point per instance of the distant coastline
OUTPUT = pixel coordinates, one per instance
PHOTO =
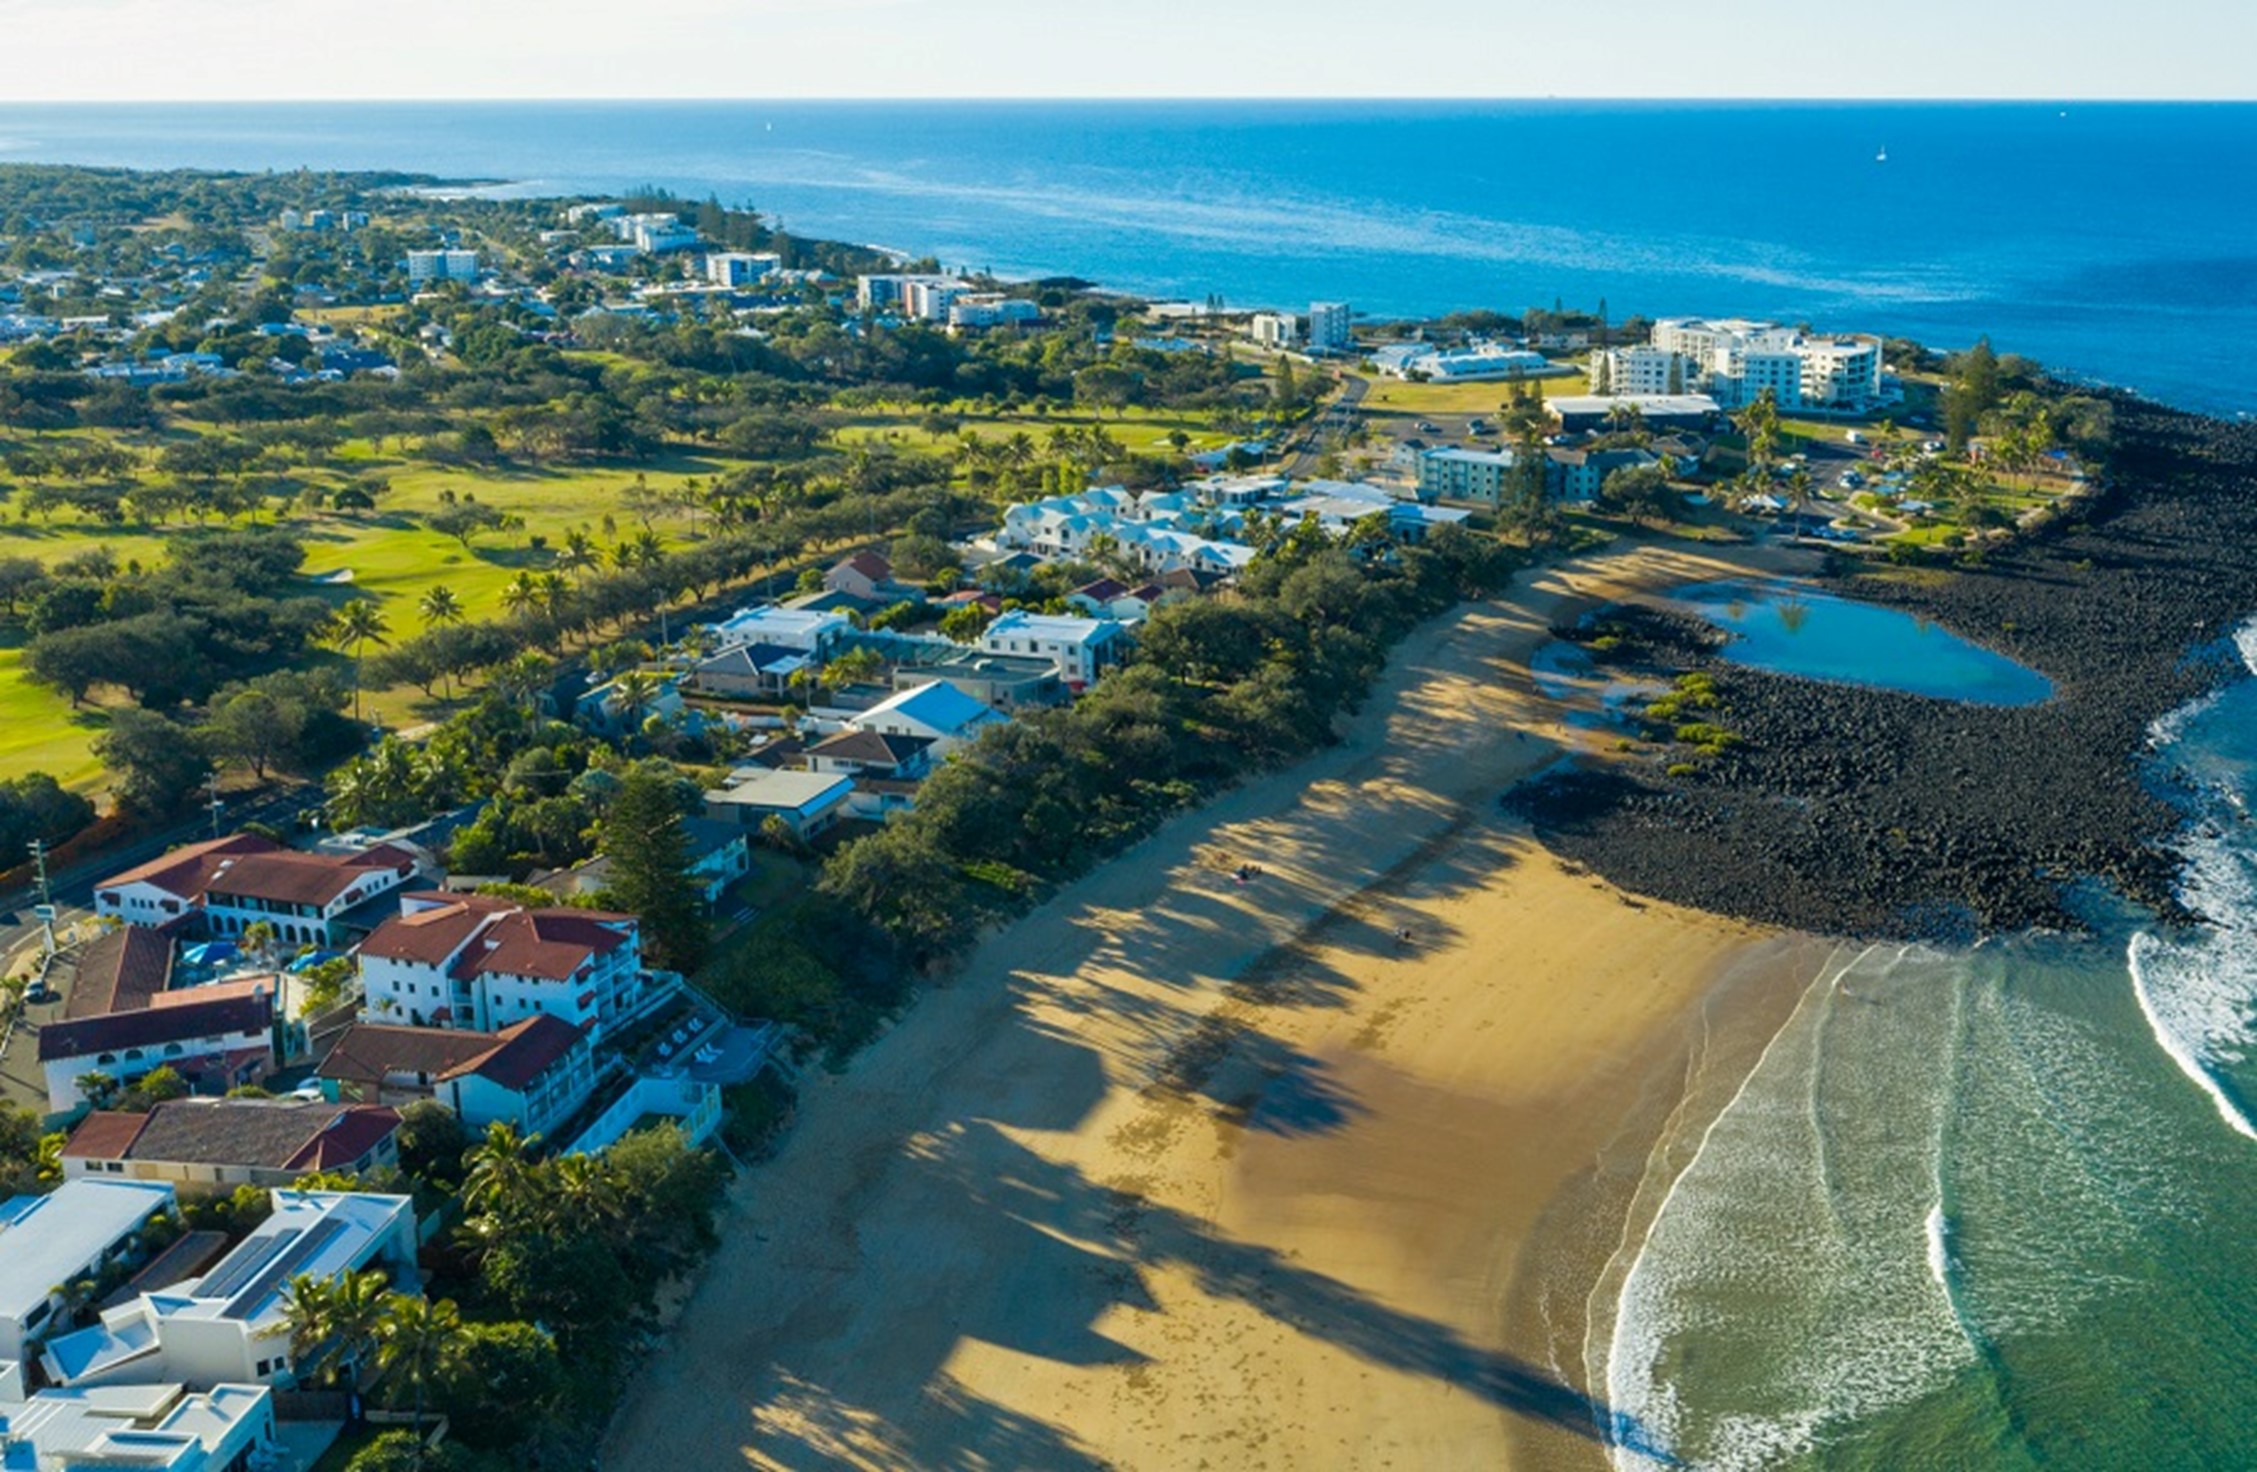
(1410, 210)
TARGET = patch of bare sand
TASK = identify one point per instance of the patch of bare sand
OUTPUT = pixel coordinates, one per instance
(1191, 1173)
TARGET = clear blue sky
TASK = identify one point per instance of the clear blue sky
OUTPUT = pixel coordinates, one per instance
(162, 49)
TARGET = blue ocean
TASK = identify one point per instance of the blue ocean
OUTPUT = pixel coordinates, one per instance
(1984, 1208)
(2117, 242)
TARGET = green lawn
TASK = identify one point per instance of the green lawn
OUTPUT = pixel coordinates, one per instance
(1396, 396)
(1141, 431)
(388, 553)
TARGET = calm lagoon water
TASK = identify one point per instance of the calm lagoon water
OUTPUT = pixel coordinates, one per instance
(1793, 630)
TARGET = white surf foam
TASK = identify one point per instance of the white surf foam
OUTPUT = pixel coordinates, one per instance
(2198, 1012)
(1783, 1249)
(2198, 994)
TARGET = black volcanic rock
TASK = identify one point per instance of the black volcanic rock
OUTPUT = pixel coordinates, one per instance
(1865, 812)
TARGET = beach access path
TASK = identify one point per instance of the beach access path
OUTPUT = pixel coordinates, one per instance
(1184, 1171)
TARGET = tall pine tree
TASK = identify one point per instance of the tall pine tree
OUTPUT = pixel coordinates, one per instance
(650, 856)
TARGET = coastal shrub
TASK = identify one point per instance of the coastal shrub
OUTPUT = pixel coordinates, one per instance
(1219, 687)
(1705, 734)
(1682, 769)
(756, 1113)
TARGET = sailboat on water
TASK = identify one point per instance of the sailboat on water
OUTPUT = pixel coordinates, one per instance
(1883, 156)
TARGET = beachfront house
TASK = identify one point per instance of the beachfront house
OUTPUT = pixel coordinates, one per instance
(150, 1428)
(936, 713)
(75, 1233)
(231, 1326)
(481, 962)
(211, 1146)
(1080, 648)
(808, 803)
(1340, 507)
(533, 1075)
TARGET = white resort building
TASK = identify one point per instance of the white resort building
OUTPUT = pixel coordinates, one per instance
(1734, 361)
(479, 962)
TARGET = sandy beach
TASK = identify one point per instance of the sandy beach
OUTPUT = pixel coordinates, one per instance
(1183, 1172)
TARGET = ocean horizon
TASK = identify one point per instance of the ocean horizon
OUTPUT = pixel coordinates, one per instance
(2105, 239)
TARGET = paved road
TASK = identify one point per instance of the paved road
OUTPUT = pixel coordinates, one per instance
(1329, 430)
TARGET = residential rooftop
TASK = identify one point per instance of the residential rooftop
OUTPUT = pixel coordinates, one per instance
(46, 1239)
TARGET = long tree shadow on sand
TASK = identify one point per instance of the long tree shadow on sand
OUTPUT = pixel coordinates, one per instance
(1079, 1252)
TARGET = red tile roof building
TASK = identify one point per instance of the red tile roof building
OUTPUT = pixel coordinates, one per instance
(216, 1036)
(215, 1145)
(532, 1074)
(233, 883)
(482, 963)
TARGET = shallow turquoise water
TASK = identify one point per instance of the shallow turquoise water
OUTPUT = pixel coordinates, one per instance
(1982, 1208)
(1792, 630)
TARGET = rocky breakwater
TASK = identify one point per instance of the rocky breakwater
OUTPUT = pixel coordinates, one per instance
(1865, 812)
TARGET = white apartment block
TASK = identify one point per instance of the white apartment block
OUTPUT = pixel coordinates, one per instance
(992, 309)
(1642, 370)
(1275, 329)
(738, 268)
(1329, 326)
(654, 233)
(426, 266)
(1734, 361)
(928, 298)
(883, 292)
(231, 1326)
(1482, 476)
(480, 962)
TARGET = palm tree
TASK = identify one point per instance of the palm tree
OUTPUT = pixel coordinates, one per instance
(522, 594)
(500, 1175)
(417, 1338)
(637, 688)
(334, 1323)
(586, 1193)
(578, 553)
(356, 625)
(1759, 423)
(1798, 490)
(439, 606)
